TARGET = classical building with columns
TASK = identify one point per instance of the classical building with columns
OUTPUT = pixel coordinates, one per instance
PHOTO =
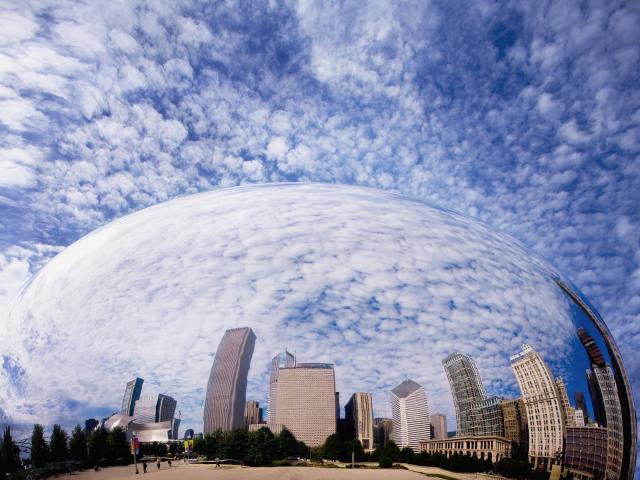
(488, 446)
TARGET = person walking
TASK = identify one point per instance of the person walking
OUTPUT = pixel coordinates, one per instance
(144, 467)
(158, 463)
(169, 462)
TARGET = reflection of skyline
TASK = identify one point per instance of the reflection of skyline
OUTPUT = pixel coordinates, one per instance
(343, 274)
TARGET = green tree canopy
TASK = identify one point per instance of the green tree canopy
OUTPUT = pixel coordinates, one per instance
(117, 446)
(78, 445)
(262, 448)
(9, 452)
(98, 445)
(58, 444)
(287, 444)
(39, 448)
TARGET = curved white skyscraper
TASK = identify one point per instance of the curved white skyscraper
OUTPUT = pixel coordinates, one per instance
(543, 406)
(227, 387)
(410, 411)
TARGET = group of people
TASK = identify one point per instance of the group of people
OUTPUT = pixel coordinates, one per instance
(144, 465)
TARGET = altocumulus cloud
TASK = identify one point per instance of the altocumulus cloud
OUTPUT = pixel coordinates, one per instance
(525, 116)
(382, 286)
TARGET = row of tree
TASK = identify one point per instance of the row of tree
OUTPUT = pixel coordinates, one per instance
(258, 448)
(9, 454)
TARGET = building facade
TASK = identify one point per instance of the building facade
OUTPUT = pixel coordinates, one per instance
(281, 360)
(466, 389)
(606, 403)
(305, 401)
(359, 419)
(382, 428)
(252, 413)
(438, 423)
(227, 386)
(586, 451)
(486, 447)
(543, 406)
(567, 410)
(165, 408)
(514, 415)
(486, 417)
(131, 395)
(410, 411)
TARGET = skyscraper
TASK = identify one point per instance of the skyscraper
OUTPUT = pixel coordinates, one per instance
(514, 415)
(131, 396)
(466, 389)
(607, 409)
(564, 400)
(543, 406)
(410, 411)
(438, 426)
(382, 428)
(359, 418)
(486, 417)
(227, 386)
(306, 401)
(581, 405)
(281, 360)
(252, 413)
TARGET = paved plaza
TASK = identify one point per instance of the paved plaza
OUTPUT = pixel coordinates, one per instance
(197, 472)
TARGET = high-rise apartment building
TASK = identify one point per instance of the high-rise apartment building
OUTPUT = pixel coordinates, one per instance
(466, 389)
(305, 399)
(486, 417)
(438, 423)
(382, 428)
(252, 413)
(410, 411)
(281, 360)
(514, 415)
(359, 419)
(131, 396)
(175, 425)
(543, 406)
(607, 408)
(227, 386)
(586, 451)
(567, 413)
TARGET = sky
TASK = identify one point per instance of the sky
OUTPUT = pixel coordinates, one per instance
(382, 286)
(524, 115)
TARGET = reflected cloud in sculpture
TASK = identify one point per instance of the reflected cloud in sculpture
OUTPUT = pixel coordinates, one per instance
(383, 286)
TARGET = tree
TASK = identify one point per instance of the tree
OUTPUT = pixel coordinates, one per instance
(58, 444)
(262, 447)
(333, 448)
(9, 452)
(39, 449)
(78, 445)
(98, 445)
(389, 454)
(407, 455)
(287, 444)
(118, 447)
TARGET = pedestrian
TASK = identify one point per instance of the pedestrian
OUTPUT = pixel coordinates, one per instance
(158, 463)
(144, 467)
(217, 462)
(169, 461)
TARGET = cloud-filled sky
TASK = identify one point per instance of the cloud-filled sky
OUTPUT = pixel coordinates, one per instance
(382, 286)
(525, 115)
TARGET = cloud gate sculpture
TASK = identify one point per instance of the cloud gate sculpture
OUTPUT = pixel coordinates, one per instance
(383, 287)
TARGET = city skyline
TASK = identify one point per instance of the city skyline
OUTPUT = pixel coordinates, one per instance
(143, 148)
(426, 289)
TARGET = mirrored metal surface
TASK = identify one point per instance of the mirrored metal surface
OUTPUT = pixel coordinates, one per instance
(385, 288)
